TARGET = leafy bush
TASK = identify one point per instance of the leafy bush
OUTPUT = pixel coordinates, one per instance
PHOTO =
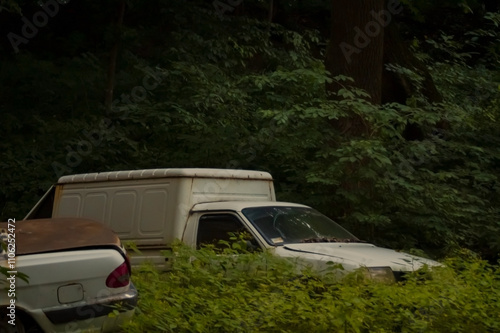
(257, 292)
(239, 92)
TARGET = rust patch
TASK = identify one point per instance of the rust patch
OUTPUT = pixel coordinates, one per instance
(57, 234)
(57, 198)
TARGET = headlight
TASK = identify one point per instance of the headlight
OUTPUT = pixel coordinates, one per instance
(381, 274)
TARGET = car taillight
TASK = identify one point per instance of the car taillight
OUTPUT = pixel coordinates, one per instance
(120, 277)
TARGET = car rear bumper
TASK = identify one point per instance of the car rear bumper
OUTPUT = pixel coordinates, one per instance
(106, 314)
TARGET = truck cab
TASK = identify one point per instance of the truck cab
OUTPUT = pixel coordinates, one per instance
(297, 232)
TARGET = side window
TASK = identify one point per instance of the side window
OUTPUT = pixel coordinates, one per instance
(212, 228)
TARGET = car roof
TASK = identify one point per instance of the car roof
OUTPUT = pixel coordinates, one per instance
(58, 234)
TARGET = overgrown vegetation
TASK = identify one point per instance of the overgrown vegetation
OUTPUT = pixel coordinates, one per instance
(247, 90)
(239, 92)
(257, 292)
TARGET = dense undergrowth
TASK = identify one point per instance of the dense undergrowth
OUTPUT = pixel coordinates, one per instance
(257, 292)
(238, 92)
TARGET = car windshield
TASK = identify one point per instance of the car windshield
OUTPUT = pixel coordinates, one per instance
(285, 225)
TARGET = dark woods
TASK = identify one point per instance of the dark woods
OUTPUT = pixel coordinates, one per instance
(384, 114)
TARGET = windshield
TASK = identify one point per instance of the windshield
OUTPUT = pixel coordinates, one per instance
(285, 225)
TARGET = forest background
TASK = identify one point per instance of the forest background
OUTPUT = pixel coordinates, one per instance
(381, 114)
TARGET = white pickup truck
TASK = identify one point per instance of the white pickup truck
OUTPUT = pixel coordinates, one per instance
(154, 207)
(78, 274)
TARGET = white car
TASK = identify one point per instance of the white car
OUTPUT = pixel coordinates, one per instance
(78, 277)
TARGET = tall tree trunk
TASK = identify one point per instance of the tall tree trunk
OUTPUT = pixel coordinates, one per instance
(270, 14)
(397, 87)
(113, 56)
(356, 49)
(357, 44)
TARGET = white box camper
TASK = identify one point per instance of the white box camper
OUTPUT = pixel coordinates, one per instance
(149, 207)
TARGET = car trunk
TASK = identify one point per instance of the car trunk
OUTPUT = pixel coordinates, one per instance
(58, 234)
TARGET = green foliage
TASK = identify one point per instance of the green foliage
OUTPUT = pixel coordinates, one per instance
(209, 292)
(437, 193)
(238, 92)
(10, 5)
(4, 271)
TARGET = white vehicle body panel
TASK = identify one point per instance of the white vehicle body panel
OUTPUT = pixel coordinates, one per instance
(353, 255)
(66, 289)
(151, 207)
(350, 255)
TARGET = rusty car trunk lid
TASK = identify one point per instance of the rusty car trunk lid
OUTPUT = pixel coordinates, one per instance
(57, 234)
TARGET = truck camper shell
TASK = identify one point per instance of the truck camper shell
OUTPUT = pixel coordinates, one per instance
(151, 206)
